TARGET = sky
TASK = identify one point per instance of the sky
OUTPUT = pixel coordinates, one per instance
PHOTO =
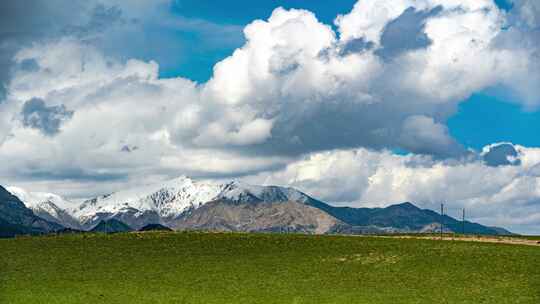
(358, 103)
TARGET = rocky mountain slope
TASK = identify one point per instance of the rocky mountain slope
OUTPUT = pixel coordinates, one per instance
(111, 226)
(286, 216)
(403, 218)
(183, 203)
(16, 218)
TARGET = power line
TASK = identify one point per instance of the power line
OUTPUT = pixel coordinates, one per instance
(463, 221)
(442, 219)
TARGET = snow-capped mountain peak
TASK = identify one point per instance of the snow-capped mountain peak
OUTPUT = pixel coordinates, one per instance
(36, 199)
(167, 199)
(154, 203)
(242, 192)
(48, 206)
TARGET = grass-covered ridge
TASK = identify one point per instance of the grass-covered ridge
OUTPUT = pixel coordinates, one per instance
(263, 268)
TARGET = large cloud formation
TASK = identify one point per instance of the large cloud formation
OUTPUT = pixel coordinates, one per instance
(388, 78)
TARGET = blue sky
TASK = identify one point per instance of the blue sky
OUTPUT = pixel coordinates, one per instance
(484, 119)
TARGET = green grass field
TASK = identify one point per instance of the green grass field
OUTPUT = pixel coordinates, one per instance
(263, 268)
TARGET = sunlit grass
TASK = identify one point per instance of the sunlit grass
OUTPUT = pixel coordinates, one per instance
(263, 268)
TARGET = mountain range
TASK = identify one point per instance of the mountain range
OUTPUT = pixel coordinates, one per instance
(187, 204)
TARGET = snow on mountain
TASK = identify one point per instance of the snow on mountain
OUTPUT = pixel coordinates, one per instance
(48, 206)
(173, 197)
(242, 192)
(35, 199)
(147, 204)
(167, 199)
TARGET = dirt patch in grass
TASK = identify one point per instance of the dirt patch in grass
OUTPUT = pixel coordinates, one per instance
(476, 238)
(370, 258)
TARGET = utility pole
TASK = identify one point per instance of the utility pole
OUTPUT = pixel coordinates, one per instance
(463, 221)
(442, 219)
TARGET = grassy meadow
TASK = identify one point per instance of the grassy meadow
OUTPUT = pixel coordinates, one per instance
(263, 268)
